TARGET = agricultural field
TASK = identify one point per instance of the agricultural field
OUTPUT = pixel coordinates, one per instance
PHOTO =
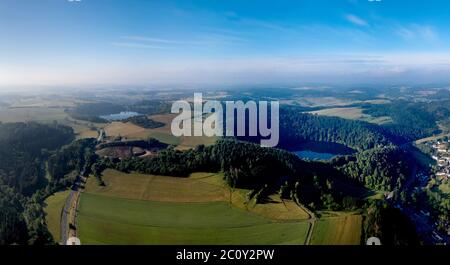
(127, 130)
(53, 208)
(48, 115)
(318, 102)
(83, 129)
(331, 102)
(147, 209)
(38, 114)
(342, 230)
(106, 220)
(163, 134)
(432, 138)
(46, 102)
(198, 187)
(352, 113)
(159, 188)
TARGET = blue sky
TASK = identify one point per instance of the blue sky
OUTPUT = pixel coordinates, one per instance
(233, 42)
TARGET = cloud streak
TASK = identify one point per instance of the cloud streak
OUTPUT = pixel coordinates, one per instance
(136, 45)
(211, 40)
(416, 32)
(356, 20)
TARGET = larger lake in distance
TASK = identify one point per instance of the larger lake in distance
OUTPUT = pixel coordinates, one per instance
(120, 116)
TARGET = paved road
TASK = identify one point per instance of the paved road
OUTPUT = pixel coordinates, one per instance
(65, 217)
(69, 214)
(312, 222)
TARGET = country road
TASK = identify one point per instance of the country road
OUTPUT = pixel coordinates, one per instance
(64, 218)
(69, 213)
(312, 221)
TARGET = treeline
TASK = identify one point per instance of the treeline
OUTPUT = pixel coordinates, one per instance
(150, 107)
(92, 111)
(150, 143)
(98, 109)
(24, 150)
(381, 168)
(144, 122)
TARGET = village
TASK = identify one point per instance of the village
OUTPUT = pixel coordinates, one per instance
(442, 157)
(438, 183)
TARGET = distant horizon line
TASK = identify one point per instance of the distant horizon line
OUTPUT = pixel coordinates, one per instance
(207, 86)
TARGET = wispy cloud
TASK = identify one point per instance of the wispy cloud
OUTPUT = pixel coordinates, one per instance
(210, 39)
(161, 41)
(264, 24)
(136, 45)
(356, 20)
(415, 31)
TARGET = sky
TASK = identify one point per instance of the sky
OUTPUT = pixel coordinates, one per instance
(222, 42)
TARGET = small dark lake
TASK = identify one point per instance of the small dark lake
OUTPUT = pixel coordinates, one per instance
(321, 150)
(311, 155)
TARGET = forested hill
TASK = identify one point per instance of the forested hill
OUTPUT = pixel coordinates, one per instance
(412, 120)
(382, 168)
(21, 152)
(22, 171)
(297, 128)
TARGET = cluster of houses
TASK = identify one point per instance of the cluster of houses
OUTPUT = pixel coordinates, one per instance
(442, 157)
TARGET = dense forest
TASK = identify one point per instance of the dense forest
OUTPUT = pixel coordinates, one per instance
(92, 111)
(22, 156)
(389, 225)
(22, 179)
(148, 144)
(297, 128)
(411, 120)
(382, 168)
(73, 157)
(150, 107)
(144, 122)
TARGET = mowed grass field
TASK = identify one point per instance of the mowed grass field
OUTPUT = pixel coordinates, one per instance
(159, 188)
(53, 208)
(344, 230)
(147, 209)
(107, 220)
